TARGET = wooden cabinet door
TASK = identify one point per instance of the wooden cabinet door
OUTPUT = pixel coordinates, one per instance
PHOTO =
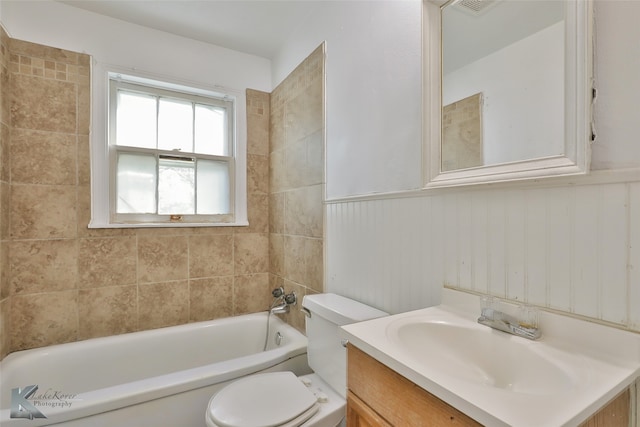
(359, 414)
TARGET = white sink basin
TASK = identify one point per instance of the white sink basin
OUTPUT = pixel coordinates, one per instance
(497, 378)
(477, 354)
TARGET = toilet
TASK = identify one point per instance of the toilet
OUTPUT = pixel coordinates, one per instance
(281, 398)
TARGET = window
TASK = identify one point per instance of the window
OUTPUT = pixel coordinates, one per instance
(172, 156)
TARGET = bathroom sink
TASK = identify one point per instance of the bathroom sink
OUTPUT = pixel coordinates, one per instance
(479, 355)
(500, 379)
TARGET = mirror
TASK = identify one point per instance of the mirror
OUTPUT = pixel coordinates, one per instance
(507, 90)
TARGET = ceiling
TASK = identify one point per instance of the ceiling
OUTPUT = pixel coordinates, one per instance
(257, 27)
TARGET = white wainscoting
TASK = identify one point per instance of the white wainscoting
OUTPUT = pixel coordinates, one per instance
(571, 247)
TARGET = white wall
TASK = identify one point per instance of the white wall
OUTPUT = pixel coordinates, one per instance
(373, 89)
(573, 248)
(115, 42)
(616, 71)
(569, 247)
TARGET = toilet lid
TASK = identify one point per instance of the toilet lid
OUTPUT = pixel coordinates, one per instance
(262, 400)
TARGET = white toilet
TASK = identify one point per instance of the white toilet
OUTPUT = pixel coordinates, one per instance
(284, 400)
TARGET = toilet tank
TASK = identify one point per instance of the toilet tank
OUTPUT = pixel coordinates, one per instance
(325, 313)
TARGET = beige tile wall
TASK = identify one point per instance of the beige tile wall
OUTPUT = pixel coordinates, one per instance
(63, 282)
(4, 192)
(297, 181)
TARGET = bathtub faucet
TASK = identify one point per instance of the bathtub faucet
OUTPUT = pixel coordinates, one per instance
(282, 301)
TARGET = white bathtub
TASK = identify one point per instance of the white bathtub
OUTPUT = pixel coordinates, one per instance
(162, 377)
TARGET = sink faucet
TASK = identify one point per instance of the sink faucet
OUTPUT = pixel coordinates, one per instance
(526, 327)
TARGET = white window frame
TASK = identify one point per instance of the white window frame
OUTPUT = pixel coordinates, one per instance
(102, 158)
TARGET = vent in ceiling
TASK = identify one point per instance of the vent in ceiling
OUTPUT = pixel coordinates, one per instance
(475, 7)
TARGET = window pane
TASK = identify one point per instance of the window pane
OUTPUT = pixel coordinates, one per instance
(213, 187)
(136, 183)
(175, 125)
(176, 186)
(136, 120)
(211, 132)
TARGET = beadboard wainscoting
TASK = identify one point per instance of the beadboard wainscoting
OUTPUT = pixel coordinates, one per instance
(571, 246)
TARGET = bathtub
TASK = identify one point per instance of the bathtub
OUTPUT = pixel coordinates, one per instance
(161, 377)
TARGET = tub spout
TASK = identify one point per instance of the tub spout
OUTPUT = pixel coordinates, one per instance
(281, 308)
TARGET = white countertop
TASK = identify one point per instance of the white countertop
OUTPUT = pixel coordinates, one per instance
(597, 363)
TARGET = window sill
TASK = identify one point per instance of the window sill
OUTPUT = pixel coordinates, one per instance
(97, 225)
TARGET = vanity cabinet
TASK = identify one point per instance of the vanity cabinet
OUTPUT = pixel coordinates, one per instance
(379, 397)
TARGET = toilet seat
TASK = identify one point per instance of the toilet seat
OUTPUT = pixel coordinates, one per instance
(262, 400)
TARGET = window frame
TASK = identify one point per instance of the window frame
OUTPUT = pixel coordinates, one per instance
(104, 151)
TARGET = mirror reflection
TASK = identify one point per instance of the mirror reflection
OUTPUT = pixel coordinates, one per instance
(503, 76)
